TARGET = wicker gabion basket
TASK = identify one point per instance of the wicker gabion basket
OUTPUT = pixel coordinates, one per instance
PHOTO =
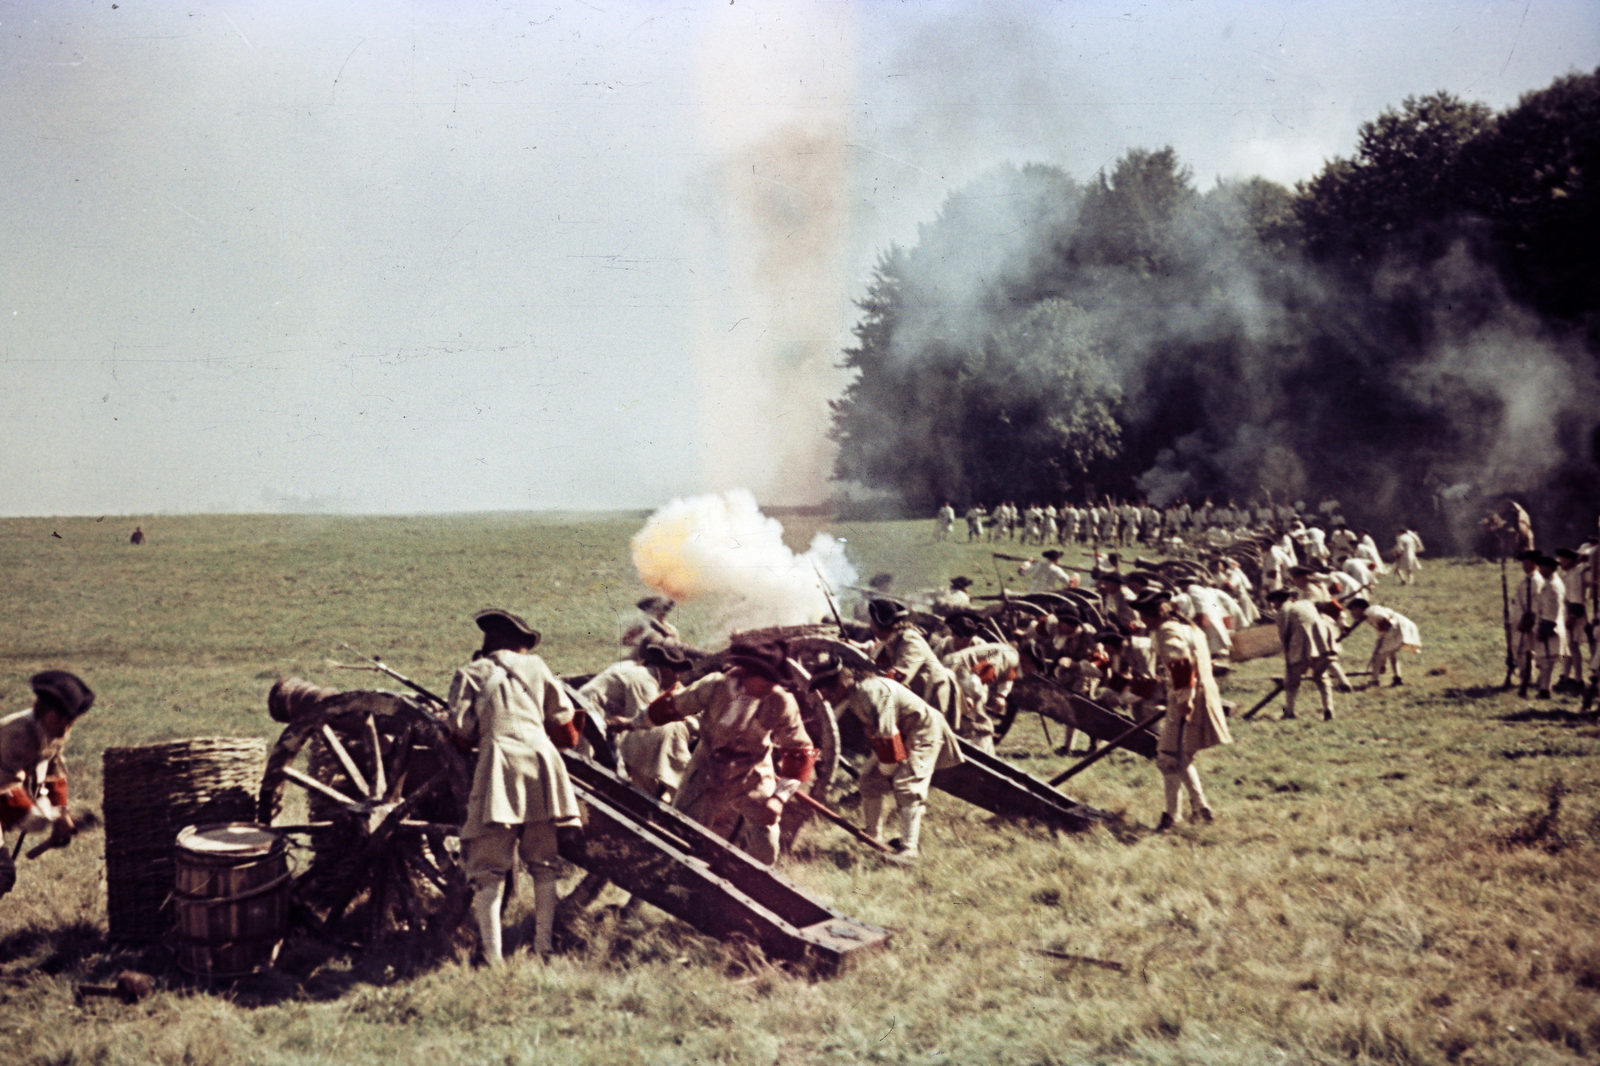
(151, 794)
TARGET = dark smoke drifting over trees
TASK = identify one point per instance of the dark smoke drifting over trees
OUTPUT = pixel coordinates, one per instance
(1423, 315)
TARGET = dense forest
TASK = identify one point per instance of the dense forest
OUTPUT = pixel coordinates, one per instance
(1413, 330)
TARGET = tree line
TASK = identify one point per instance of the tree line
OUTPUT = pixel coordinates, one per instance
(1421, 315)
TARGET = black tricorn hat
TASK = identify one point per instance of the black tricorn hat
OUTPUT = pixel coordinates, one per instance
(961, 582)
(666, 654)
(496, 620)
(655, 603)
(963, 623)
(1279, 595)
(1532, 555)
(1151, 600)
(1566, 553)
(62, 692)
(885, 613)
(1053, 554)
(756, 661)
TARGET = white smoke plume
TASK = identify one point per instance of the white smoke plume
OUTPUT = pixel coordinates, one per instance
(722, 549)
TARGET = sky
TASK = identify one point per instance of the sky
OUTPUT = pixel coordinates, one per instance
(399, 258)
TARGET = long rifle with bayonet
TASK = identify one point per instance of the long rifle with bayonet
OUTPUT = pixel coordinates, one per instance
(1025, 559)
(1505, 613)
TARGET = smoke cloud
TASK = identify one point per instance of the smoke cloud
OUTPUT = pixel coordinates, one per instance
(723, 550)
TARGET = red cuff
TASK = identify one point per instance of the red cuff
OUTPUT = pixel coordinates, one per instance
(661, 710)
(15, 805)
(564, 734)
(1182, 674)
(55, 788)
(797, 764)
(889, 749)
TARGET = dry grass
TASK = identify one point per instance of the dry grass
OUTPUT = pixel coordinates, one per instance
(1393, 887)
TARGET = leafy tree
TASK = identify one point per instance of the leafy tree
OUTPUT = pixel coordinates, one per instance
(1129, 216)
(1535, 174)
(1402, 180)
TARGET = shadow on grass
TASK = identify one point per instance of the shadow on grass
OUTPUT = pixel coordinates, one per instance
(306, 970)
(1473, 692)
(1552, 714)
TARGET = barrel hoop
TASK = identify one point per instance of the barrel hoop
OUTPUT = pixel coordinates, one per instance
(212, 901)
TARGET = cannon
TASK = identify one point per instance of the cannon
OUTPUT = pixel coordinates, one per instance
(384, 790)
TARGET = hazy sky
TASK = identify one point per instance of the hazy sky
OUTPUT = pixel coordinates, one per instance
(428, 256)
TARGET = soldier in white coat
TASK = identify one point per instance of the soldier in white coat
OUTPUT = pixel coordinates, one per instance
(509, 704)
(1310, 648)
(1574, 573)
(1194, 720)
(1396, 634)
(1541, 637)
(1407, 546)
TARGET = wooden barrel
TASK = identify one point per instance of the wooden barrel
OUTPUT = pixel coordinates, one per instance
(230, 899)
(151, 793)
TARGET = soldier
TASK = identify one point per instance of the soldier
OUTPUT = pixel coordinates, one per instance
(1046, 575)
(1574, 571)
(975, 518)
(954, 598)
(33, 775)
(904, 653)
(947, 522)
(137, 538)
(754, 751)
(1540, 607)
(910, 741)
(1407, 546)
(651, 625)
(655, 757)
(984, 672)
(1396, 633)
(1194, 720)
(509, 704)
(1310, 647)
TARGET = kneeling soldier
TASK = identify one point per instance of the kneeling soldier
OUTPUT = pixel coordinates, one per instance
(33, 777)
(910, 740)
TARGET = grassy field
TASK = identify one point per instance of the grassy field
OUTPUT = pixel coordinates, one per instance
(1371, 891)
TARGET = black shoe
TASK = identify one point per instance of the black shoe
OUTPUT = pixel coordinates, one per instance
(1165, 823)
(1288, 716)
(1542, 694)
(1343, 688)
(1205, 815)
(1396, 683)
(1522, 692)
(1327, 716)
(1588, 697)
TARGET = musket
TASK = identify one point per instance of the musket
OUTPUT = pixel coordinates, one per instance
(378, 665)
(1505, 615)
(843, 823)
(828, 594)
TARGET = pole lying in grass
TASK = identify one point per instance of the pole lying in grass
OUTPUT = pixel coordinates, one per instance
(844, 823)
(1277, 687)
(1084, 764)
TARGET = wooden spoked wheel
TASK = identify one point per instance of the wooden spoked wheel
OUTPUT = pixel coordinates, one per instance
(383, 791)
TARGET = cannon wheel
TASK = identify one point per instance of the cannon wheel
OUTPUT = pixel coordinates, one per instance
(386, 791)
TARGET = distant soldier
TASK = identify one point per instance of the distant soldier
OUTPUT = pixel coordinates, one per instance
(1407, 546)
(975, 516)
(1540, 606)
(910, 740)
(1045, 574)
(33, 775)
(947, 521)
(509, 704)
(651, 625)
(1575, 579)
(955, 598)
(137, 537)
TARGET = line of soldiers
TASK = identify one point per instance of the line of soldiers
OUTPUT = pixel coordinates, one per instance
(1552, 613)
